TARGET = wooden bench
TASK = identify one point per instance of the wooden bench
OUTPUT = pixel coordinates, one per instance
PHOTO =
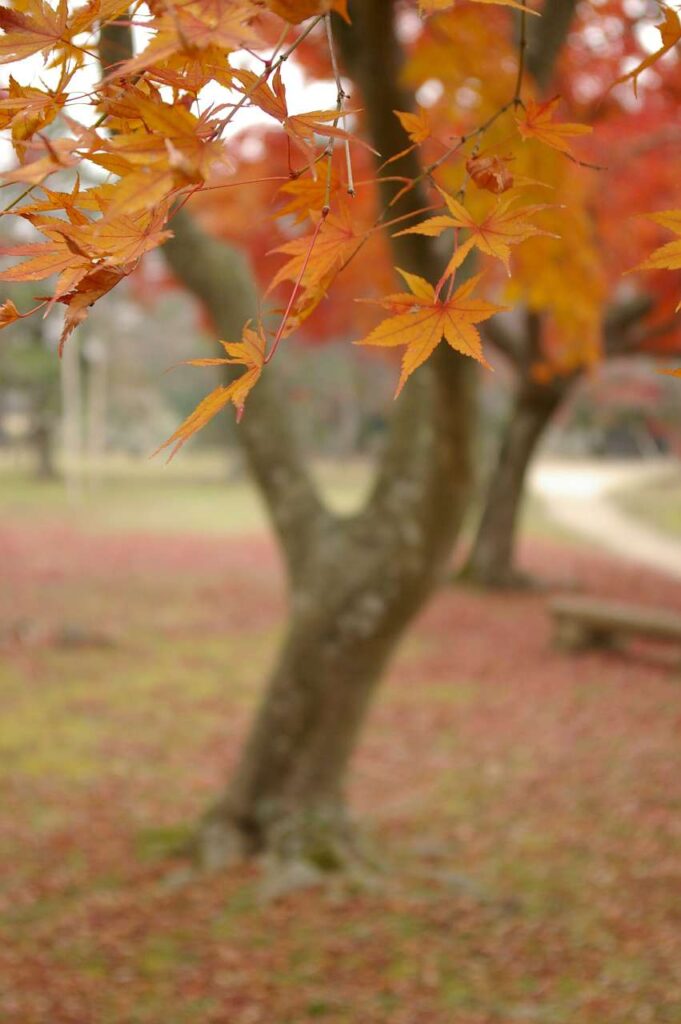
(581, 623)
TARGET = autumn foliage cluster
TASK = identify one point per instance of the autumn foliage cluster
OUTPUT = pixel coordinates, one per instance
(504, 164)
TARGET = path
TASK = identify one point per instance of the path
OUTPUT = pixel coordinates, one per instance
(578, 494)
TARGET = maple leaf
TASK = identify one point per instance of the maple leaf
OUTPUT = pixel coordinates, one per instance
(538, 124)
(309, 194)
(89, 257)
(249, 352)
(301, 128)
(493, 235)
(156, 148)
(59, 154)
(423, 319)
(27, 110)
(90, 288)
(337, 240)
(417, 126)
(670, 32)
(9, 314)
(490, 173)
(38, 27)
(435, 6)
(667, 256)
(295, 11)
(188, 29)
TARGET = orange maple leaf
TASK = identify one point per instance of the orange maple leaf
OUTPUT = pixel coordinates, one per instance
(490, 173)
(423, 319)
(27, 110)
(434, 6)
(59, 154)
(498, 230)
(249, 352)
(295, 11)
(667, 256)
(38, 27)
(8, 314)
(337, 240)
(538, 124)
(301, 128)
(89, 256)
(670, 32)
(192, 28)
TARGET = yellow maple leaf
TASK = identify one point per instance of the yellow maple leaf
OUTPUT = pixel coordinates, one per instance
(422, 319)
(667, 256)
(499, 229)
(418, 126)
(249, 352)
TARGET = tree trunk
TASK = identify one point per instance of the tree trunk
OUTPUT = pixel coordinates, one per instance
(491, 562)
(43, 445)
(355, 583)
(362, 583)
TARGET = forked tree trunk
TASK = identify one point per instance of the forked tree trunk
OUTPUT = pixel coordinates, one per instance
(491, 562)
(355, 582)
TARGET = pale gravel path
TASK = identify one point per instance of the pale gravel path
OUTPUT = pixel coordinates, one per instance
(578, 494)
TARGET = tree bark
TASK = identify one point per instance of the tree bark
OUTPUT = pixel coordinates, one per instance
(491, 562)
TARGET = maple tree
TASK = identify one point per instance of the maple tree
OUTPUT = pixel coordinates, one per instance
(637, 151)
(491, 171)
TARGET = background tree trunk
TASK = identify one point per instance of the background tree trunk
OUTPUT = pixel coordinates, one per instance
(42, 441)
(491, 562)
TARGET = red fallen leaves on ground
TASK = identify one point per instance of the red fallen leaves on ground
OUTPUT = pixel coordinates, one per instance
(526, 805)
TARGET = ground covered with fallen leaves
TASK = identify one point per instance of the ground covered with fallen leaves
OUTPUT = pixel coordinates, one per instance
(527, 805)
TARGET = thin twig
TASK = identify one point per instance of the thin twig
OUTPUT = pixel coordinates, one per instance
(522, 48)
(341, 95)
(296, 288)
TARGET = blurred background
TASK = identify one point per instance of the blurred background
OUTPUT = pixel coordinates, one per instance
(520, 798)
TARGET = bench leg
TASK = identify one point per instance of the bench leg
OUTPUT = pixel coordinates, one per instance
(573, 636)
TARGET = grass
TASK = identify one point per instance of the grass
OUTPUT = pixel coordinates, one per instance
(202, 494)
(659, 505)
(205, 494)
